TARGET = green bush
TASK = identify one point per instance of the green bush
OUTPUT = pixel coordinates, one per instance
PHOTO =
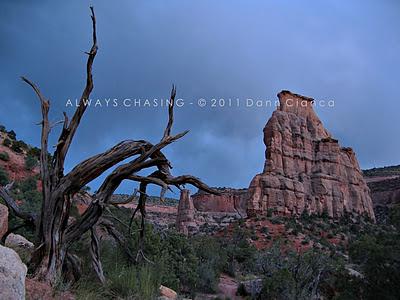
(35, 152)
(31, 200)
(378, 256)
(3, 128)
(292, 275)
(3, 177)
(7, 143)
(19, 146)
(30, 162)
(4, 156)
(12, 135)
(212, 258)
(241, 290)
(240, 253)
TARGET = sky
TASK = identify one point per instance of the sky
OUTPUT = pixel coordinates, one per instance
(330, 50)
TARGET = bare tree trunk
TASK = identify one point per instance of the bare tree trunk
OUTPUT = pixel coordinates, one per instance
(51, 258)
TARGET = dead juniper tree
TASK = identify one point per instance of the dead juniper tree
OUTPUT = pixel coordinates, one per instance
(55, 232)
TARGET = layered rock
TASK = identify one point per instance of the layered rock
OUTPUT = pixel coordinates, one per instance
(210, 216)
(230, 200)
(385, 194)
(185, 222)
(306, 170)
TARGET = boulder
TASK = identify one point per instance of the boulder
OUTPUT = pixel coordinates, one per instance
(21, 245)
(3, 220)
(306, 170)
(167, 293)
(12, 275)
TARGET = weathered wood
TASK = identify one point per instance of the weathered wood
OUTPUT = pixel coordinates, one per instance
(56, 234)
(95, 254)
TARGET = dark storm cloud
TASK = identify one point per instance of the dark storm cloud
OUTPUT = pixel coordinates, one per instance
(224, 49)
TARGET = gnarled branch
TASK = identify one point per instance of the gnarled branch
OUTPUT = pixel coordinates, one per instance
(95, 254)
(69, 131)
(30, 218)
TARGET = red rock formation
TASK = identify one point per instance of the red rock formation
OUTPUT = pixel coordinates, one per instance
(305, 168)
(185, 221)
(15, 165)
(212, 213)
(230, 200)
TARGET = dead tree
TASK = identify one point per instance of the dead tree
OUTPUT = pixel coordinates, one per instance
(55, 234)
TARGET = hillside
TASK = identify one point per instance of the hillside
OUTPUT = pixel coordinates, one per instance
(17, 159)
(388, 171)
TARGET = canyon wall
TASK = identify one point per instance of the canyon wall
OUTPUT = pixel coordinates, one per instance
(206, 213)
(230, 200)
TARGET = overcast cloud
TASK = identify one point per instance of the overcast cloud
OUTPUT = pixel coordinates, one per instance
(332, 50)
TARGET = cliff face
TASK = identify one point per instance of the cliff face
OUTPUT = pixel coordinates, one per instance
(385, 194)
(185, 221)
(305, 168)
(205, 213)
(230, 201)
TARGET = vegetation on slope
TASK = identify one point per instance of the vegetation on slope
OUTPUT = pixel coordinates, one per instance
(383, 171)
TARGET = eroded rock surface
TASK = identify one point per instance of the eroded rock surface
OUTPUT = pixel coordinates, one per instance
(230, 200)
(12, 275)
(306, 169)
(213, 213)
(185, 222)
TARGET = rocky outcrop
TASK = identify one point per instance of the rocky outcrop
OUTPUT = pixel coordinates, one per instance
(230, 201)
(185, 222)
(167, 293)
(209, 218)
(12, 275)
(21, 245)
(385, 194)
(306, 170)
(3, 220)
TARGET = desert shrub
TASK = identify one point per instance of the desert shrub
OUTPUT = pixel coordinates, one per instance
(4, 156)
(240, 253)
(7, 142)
(35, 152)
(30, 162)
(241, 290)
(179, 258)
(394, 216)
(291, 275)
(19, 146)
(3, 177)
(378, 256)
(12, 135)
(123, 279)
(31, 200)
(173, 254)
(212, 259)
